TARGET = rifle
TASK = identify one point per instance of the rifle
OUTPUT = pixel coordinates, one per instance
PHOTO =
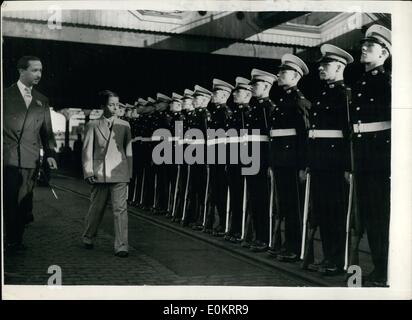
(352, 185)
(176, 191)
(206, 196)
(186, 194)
(227, 210)
(244, 208)
(305, 215)
(272, 190)
(142, 188)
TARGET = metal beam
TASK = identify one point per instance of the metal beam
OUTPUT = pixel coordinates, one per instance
(109, 36)
(232, 28)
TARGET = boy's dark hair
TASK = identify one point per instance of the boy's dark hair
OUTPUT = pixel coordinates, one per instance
(23, 62)
(104, 96)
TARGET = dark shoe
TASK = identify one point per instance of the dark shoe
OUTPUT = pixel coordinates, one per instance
(376, 279)
(235, 239)
(88, 246)
(197, 227)
(227, 237)
(217, 233)
(288, 257)
(330, 270)
(122, 254)
(259, 247)
(207, 230)
(246, 244)
(313, 267)
(273, 252)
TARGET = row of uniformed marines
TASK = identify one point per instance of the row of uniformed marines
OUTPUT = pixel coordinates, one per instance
(337, 136)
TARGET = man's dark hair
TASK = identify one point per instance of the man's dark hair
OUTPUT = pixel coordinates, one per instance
(104, 96)
(23, 62)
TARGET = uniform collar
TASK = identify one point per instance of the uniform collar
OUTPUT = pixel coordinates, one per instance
(375, 71)
(332, 85)
(261, 100)
(291, 89)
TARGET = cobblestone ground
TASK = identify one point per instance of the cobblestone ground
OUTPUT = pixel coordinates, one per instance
(157, 256)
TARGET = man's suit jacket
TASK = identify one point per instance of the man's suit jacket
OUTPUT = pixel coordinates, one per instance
(26, 129)
(107, 154)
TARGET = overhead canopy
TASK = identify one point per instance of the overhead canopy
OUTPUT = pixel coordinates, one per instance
(252, 34)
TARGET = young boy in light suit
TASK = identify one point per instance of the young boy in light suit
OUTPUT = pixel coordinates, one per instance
(107, 166)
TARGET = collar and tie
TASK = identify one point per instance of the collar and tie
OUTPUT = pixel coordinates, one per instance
(109, 122)
(27, 96)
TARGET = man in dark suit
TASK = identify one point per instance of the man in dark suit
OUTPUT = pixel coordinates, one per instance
(26, 127)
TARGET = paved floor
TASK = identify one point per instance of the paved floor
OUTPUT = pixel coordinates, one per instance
(159, 255)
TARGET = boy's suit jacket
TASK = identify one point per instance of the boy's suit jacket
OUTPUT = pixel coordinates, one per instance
(107, 153)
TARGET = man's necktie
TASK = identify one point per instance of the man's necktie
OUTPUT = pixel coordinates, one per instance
(27, 96)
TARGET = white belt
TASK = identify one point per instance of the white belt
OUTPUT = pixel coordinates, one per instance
(235, 139)
(257, 138)
(283, 132)
(173, 139)
(371, 126)
(157, 138)
(325, 134)
(216, 141)
(145, 139)
(195, 141)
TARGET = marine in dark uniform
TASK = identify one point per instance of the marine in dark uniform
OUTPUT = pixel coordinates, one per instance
(181, 193)
(238, 120)
(137, 147)
(176, 118)
(161, 187)
(133, 128)
(370, 117)
(287, 142)
(147, 148)
(198, 180)
(257, 185)
(217, 191)
(328, 159)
